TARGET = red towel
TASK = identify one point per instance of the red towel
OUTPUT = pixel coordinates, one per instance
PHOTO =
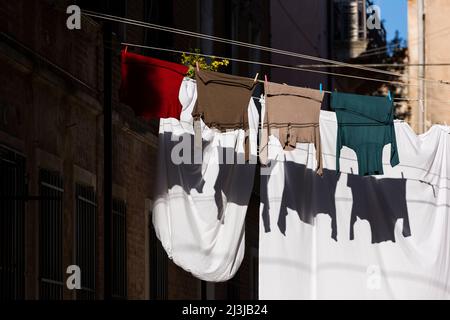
(151, 86)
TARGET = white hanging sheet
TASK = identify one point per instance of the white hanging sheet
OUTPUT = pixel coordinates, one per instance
(199, 209)
(352, 237)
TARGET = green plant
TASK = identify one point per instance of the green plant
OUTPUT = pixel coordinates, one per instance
(211, 64)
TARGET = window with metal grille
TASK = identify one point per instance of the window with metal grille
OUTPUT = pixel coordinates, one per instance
(119, 250)
(12, 225)
(158, 267)
(51, 235)
(86, 233)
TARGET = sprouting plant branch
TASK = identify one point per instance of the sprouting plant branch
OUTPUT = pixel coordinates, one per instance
(211, 64)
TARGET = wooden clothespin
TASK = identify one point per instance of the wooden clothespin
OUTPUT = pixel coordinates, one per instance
(197, 66)
(256, 77)
(126, 49)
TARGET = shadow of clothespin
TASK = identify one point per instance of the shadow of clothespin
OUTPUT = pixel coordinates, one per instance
(431, 185)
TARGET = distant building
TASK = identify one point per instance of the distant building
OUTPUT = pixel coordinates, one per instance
(350, 28)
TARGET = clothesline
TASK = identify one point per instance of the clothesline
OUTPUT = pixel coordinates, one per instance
(396, 99)
(267, 64)
(248, 45)
(271, 65)
(378, 65)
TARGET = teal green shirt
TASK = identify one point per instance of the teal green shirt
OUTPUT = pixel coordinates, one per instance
(366, 125)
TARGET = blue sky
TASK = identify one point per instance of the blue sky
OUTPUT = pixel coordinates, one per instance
(395, 16)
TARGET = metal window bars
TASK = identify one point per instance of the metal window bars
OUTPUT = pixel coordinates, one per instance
(119, 250)
(86, 242)
(158, 267)
(51, 190)
(12, 225)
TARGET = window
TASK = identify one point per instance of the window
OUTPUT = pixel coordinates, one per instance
(158, 267)
(119, 250)
(51, 235)
(12, 226)
(362, 19)
(86, 233)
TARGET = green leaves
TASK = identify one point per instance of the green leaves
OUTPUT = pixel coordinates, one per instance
(204, 63)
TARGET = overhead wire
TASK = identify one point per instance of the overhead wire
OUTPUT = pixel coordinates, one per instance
(266, 64)
(212, 38)
(243, 44)
(376, 65)
(440, 32)
(254, 62)
(296, 67)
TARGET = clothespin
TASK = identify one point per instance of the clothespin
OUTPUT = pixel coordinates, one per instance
(126, 49)
(265, 79)
(256, 77)
(321, 87)
(389, 95)
(196, 65)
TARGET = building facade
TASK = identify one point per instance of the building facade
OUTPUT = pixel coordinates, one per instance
(428, 35)
(51, 151)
